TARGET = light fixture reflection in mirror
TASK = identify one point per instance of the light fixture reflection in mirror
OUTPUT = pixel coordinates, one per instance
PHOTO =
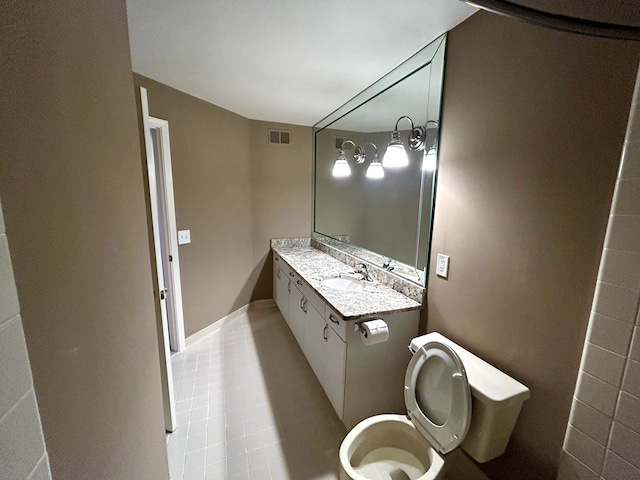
(341, 168)
(396, 154)
(375, 170)
(430, 159)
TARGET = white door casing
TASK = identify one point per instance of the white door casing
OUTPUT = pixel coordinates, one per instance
(166, 371)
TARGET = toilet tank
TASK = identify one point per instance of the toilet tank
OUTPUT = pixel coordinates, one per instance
(496, 402)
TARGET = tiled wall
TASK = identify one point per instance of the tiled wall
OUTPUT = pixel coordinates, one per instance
(603, 435)
(22, 449)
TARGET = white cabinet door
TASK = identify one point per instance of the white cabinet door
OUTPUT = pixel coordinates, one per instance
(296, 315)
(281, 292)
(335, 363)
(314, 340)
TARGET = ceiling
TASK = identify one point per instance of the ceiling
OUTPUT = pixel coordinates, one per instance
(290, 61)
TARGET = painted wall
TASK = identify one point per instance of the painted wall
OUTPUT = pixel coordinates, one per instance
(281, 195)
(22, 449)
(234, 191)
(72, 192)
(533, 125)
(604, 432)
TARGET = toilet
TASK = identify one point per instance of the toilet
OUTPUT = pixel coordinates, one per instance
(453, 399)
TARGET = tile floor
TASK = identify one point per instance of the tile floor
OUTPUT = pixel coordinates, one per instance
(250, 407)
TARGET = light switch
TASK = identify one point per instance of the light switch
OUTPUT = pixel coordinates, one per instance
(442, 267)
(184, 236)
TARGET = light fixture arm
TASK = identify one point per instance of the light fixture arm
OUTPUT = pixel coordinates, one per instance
(417, 137)
(348, 141)
(360, 153)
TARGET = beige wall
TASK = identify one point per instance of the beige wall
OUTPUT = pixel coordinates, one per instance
(281, 195)
(211, 181)
(71, 188)
(532, 130)
(604, 432)
(234, 191)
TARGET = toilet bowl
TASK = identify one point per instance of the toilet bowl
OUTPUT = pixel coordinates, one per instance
(442, 382)
(388, 447)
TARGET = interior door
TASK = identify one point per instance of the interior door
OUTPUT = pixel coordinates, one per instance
(163, 332)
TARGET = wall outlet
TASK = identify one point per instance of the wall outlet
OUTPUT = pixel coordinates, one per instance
(442, 266)
(184, 237)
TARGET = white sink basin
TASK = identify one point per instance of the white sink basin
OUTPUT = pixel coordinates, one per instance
(344, 284)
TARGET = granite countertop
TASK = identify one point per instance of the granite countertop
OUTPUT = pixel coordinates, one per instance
(375, 299)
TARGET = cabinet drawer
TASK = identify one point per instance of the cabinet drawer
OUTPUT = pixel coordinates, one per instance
(336, 322)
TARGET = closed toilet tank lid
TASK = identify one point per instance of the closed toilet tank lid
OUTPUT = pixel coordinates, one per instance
(486, 381)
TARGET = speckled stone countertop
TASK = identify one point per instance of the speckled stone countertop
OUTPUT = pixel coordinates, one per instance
(314, 266)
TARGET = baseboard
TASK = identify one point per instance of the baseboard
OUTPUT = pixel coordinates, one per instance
(214, 327)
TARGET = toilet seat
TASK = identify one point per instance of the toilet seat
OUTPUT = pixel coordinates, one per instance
(437, 396)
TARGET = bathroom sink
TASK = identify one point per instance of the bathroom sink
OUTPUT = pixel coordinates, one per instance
(344, 284)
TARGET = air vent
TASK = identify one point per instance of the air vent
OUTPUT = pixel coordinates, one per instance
(279, 136)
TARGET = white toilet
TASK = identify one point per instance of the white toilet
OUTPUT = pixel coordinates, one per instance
(453, 399)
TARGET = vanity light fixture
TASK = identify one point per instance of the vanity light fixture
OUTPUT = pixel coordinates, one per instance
(341, 168)
(429, 160)
(396, 154)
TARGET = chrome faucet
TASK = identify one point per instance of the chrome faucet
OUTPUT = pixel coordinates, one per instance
(362, 270)
(387, 264)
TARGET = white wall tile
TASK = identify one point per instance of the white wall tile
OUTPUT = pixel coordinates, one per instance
(609, 333)
(590, 421)
(22, 445)
(9, 307)
(596, 393)
(41, 472)
(585, 449)
(603, 364)
(625, 442)
(634, 352)
(615, 468)
(627, 199)
(619, 267)
(623, 233)
(631, 381)
(572, 469)
(633, 129)
(630, 167)
(616, 302)
(15, 372)
(628, 411)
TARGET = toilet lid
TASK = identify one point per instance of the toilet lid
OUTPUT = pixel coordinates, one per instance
(437, 396)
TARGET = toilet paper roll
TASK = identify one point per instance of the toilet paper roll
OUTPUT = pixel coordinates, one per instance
(374, 331)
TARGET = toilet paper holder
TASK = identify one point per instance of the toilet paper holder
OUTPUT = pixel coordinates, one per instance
(359, 328)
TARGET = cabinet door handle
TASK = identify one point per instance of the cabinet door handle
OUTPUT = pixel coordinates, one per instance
(277, 259)
(291, 274)
(299, 282)
(301, 307)
(333, 319)
(278, 274)
(325, 333)
(289, 286)
(304, 306)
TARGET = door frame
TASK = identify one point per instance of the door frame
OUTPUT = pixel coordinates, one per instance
(175, 318)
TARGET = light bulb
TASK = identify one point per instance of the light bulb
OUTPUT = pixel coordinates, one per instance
(429, 160)
(375, 169)
(341, 168)
(396, 155)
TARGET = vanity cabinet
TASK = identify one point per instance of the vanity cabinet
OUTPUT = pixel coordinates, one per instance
(281, 287)
(359, 380)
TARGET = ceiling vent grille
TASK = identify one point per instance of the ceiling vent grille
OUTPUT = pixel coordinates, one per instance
(279, 136)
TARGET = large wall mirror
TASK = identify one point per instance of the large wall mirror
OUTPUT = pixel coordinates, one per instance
(384, 220)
